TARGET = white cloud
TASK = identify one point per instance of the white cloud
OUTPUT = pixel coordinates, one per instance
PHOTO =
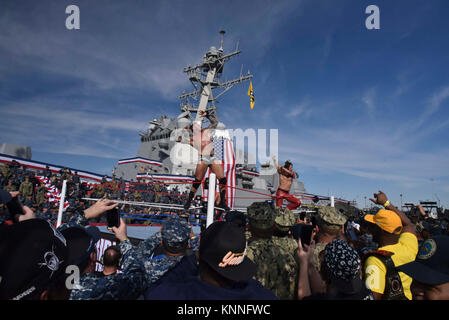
(298, 110)
(433, 105)
(145, 49)
(437, 99)
(49, 129)
(368, 99)
(364, 152)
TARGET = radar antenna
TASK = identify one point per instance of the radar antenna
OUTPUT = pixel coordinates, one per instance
(205, 77)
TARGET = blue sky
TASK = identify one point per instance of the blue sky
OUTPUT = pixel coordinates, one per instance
(357, 110)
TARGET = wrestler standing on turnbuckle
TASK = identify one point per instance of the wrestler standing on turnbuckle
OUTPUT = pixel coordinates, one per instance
(201, 139)
(286, 176)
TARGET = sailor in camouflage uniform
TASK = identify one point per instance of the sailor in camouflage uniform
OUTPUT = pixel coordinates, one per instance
(137, 196)
(128, 285)
(157, 190)
(10, 187)
(165, 249)
(41, 191)
(123, 286)
(5, 170)
(26, 188)
(276, 268)
(329, 220)
(98, 191)
(283, 221)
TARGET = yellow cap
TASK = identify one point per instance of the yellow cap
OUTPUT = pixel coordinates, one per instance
(387, 220)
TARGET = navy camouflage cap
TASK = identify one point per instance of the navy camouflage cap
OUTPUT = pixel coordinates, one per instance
(284, 218)
(330, 216)
(175, 232)
(261, 215)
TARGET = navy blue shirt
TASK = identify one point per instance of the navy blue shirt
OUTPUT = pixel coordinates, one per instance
(195, 289)
(183, 283)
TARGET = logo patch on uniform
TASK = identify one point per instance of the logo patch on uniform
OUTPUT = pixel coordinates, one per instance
(51, 261)
(427, 250)
(232, 259)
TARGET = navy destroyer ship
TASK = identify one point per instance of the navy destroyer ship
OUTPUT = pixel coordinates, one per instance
(155, 161)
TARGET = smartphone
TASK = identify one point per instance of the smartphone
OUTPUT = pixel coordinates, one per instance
(303, 232)
(113, 218)
(15, 207)
(313, 220)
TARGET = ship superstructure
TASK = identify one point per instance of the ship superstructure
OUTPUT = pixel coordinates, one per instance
(155, 157)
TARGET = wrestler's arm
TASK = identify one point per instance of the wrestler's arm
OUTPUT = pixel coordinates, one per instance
(276, 164)
(213, 121)
(287, 172)
(195, 140)
(284, 171)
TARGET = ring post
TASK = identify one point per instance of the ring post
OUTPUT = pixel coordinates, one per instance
(61, 203)
(332, 201)
(211, 200)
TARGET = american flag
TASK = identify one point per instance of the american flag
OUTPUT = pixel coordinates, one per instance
(53, 194)
(224, 151)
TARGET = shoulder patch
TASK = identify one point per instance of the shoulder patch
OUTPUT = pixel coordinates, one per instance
(427, 249)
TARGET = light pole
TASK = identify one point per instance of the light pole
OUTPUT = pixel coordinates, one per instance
(401, 201)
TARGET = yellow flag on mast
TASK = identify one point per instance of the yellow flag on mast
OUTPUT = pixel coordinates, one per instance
(251, 94)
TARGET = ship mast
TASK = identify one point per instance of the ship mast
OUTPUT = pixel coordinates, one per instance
(205, 78)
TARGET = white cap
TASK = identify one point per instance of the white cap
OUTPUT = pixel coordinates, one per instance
(182, 123)
(221, 126)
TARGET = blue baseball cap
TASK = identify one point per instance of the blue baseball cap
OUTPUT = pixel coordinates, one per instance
(175, 232)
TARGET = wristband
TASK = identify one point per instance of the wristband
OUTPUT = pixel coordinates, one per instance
(386, 204)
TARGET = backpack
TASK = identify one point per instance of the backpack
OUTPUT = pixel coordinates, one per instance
(393, 284)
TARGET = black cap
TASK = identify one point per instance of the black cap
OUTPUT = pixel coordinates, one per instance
(33, 255)
(234, 215)
(223, 248)
(431, 266)
(80, 242)
(5, 196)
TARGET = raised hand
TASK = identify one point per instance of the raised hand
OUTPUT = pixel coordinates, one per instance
(305, 252)
(28, 214)
(120, 232)
(379, 198)
(14, 193)
(100, 207)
